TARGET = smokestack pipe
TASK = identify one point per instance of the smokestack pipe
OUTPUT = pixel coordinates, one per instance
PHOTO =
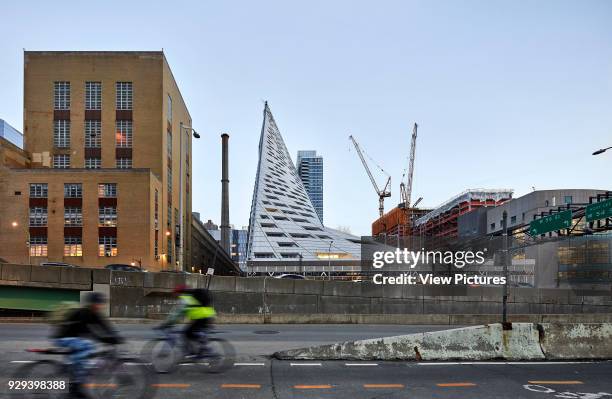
(225, 222)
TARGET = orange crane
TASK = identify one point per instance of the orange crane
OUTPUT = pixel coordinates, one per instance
(386, 191)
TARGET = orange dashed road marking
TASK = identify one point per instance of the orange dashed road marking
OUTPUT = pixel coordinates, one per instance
(312, 386)
(244, 386)
(456, 384)
(569, 382)
(380, 386)
(171, 385)
(100, 385)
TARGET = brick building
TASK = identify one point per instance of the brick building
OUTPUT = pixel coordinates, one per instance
(101, 180)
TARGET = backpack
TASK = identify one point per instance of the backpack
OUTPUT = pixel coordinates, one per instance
(60, 313)
(202, 296)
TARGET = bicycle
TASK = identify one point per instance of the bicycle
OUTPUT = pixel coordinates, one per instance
(110, 375)
(171, 348)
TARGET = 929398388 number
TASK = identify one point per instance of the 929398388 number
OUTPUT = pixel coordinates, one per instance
(37, 385)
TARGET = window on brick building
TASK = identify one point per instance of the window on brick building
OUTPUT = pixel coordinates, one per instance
(107, 216)
(93, 134)
(61, 134)
(38, 190)
(93, 96)
(107, 190)
(73, 246)
(124, 163)
(61, 161)
(93, 163)
(61, 95)
(123, 134)
(124, 95)
(38, 216)
(73, 190)
(38, 246)
(107, 246)
(73, 216)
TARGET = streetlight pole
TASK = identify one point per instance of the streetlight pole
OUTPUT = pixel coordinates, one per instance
(329, 259)
(601, 151)
(505, 265)
(181, 189)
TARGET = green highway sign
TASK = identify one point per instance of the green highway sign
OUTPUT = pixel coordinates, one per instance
(599, 210)
(557, 221)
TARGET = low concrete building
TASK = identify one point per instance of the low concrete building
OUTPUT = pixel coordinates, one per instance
(208, 253)
(521, 210)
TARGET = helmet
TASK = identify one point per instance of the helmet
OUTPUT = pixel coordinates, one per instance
(95, 298)
(180, 289)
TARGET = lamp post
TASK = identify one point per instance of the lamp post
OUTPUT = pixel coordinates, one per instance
(329, 258)
(187, 130)
(601, 151)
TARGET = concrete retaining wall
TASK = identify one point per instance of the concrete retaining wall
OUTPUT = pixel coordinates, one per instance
(139, 295)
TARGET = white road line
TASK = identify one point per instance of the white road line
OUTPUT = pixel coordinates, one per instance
(249, 364)
(22, 361)
(360, 364)
(497, 363)
(305, 364)
(194, 364)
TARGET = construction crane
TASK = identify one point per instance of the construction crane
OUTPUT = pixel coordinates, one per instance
(406, 189)
(386, 191)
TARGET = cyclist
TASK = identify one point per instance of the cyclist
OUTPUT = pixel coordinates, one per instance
(196, 306)
(77, 333)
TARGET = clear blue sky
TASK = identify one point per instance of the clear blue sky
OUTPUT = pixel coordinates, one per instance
(507, 94)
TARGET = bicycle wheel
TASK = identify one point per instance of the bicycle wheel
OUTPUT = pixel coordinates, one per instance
(121, 378)
(220, 355)
(162, 354)
(49, 380)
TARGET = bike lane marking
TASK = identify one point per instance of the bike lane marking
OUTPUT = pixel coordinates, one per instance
(559, 382)
(312, 386)
(383, 386)
(170, 385)
(455, 384)
(240, 386)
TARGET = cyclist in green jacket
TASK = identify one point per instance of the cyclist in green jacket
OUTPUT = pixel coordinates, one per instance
(196, 306)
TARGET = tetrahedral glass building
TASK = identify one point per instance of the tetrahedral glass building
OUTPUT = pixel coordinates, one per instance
(285, 232)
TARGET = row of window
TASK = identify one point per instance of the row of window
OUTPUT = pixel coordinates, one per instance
(93, 134)
(73, 246)
(73, 216)
(62, 161)
(93, 95)
(73, 190)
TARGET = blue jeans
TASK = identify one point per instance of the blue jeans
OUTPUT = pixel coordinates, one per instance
(81, 349)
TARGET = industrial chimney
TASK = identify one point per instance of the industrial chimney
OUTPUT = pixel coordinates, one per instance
(225, 223)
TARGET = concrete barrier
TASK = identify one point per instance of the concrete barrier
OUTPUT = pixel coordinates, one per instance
(486, 342)
(576, 341)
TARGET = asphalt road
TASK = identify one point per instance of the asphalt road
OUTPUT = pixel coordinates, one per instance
(256, 376)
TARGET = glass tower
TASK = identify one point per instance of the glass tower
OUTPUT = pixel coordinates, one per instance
(310, 170)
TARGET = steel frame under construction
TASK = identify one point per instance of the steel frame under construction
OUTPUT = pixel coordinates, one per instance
(442, 221)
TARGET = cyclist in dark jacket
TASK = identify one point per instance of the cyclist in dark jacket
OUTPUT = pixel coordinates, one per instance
(77, 333)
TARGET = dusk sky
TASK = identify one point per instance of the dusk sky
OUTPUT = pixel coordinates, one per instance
(513, 94)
